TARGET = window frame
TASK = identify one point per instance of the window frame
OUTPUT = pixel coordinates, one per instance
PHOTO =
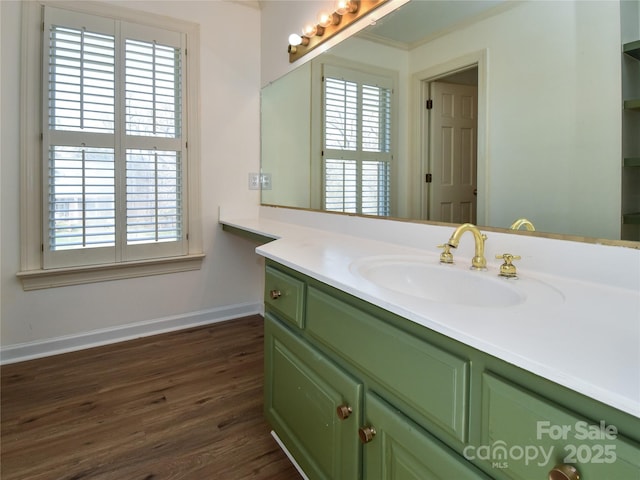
(32, 272)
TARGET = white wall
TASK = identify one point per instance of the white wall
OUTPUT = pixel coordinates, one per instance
(230, 279)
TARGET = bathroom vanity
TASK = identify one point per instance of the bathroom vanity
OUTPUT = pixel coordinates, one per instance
(365, 382)
(356, 392)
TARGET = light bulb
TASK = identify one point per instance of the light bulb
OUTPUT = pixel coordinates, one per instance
(346, 6)
(295, 39)
(309, 30)
(324, 19)
(341, 7)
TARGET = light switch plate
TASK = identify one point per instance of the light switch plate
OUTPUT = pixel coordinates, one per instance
(254, 181)
(265, 181)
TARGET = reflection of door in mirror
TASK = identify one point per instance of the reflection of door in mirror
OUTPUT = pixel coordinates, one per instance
(451, 194)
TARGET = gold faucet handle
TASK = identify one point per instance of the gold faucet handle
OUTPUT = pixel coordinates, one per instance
(446, 256)
(508, 269)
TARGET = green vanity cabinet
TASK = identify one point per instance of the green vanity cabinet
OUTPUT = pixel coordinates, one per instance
(356, 392)
(304, 392)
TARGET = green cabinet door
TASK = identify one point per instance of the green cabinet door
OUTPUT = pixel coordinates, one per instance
(305, 397)
(400, 450)
(524, 436)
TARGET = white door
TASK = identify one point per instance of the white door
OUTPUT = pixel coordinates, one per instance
(452, 192)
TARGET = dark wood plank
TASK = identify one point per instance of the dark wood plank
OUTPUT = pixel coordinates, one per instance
(182, 405)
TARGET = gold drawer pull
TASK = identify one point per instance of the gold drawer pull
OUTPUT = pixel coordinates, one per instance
(275, 294)
(344, 411)
(564, 472)
(366, 434)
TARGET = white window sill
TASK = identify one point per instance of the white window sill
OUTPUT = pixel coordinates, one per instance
(61, 277)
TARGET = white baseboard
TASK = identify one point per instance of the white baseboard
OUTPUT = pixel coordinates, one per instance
(54, 346)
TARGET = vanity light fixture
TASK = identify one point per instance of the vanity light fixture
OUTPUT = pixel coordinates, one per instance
(328, 24)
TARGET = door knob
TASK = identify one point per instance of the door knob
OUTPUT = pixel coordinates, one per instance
(366, 433)
(564, 472)
(344, 411)
(275, 294)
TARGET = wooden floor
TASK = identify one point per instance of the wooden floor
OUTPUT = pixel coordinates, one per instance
(182, 405)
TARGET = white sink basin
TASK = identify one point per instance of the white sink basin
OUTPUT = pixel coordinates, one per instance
(424, 277)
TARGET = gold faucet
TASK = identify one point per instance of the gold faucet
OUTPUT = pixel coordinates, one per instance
(523, 222)
(478, 262)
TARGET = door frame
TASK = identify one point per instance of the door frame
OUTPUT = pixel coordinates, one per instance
(419, 120)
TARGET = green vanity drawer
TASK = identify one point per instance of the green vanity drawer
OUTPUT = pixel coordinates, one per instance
(524, 436)
(285, 295)
(429, 382)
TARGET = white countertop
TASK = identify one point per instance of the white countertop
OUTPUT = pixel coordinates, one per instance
(587, 338)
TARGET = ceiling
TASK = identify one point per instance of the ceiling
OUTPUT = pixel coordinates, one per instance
(419, 21)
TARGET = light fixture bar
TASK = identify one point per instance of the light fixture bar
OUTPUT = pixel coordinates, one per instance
(328, 31)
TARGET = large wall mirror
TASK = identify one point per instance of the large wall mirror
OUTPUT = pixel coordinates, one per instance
(540, 82)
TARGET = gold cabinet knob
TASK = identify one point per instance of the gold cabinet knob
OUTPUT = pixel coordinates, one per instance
(344, 411)
(564, 472)
(366, 433)
(275, 294)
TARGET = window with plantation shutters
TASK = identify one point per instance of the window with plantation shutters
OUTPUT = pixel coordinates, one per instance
(356, 141)
(113, 141)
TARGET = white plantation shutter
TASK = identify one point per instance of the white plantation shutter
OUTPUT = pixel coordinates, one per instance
(153, 79)
(357, 141)
(376, 118)
(154, 212)
(340, 180)
(113, 138)
(340, 114)
(154, 146)
(81, 197)
(81, 80)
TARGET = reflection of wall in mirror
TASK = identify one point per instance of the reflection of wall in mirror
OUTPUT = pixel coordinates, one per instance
(286, 138)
